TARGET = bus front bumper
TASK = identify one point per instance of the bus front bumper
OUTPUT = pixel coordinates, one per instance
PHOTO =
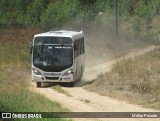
(40, 78)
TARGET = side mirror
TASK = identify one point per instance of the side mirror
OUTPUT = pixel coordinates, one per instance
(31, 48)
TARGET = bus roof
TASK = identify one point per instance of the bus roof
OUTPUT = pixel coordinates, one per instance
(61, 33)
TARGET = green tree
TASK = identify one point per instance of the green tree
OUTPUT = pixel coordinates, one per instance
(12, 12)
(34, 12)
(59, 12)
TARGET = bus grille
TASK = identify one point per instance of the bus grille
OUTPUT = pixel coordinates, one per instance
(52, 78)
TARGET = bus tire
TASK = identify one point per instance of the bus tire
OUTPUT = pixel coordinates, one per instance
(38, 84)
(71, 84)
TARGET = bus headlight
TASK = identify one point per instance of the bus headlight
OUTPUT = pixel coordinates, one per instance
(37, 72)
(68, 72)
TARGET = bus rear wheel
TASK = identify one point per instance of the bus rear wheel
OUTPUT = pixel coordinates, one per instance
(38, 84)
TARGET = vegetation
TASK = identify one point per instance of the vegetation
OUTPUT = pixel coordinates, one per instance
(134, 15)
(136, 80)
(15, 76)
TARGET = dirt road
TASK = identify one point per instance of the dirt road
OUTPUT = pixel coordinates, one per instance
(84, 101)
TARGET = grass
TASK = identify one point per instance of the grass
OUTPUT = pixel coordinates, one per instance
(59, 89)
(15, 76)
(136, 80)
(15, 97)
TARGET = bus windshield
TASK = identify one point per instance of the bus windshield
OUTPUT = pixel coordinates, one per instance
(50, 57)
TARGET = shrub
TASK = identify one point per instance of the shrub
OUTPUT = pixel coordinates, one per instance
(12, 12)
(58, 13)
(34, 12)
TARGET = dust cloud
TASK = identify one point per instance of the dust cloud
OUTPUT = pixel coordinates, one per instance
(102, 47)
(101, 44)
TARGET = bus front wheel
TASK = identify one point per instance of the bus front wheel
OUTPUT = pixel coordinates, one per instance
(38, 84)
(71, 84)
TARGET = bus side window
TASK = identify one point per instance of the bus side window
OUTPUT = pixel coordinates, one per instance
(80, 46)
(76, 49)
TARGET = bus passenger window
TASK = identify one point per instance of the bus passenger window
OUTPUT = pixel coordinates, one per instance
(79, 47)
(75, 49)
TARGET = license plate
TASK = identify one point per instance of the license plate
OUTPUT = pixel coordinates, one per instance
(52, 74)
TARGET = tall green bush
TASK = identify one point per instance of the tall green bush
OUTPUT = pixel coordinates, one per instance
(34, 12)
(125, 7)
(58, 13)
(12, 12)
(55, 13)
(146, 10)
(136, 24)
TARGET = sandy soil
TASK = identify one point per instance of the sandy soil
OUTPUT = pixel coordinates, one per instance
(84, 101)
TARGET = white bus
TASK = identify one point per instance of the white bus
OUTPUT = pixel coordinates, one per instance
(58, 56)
